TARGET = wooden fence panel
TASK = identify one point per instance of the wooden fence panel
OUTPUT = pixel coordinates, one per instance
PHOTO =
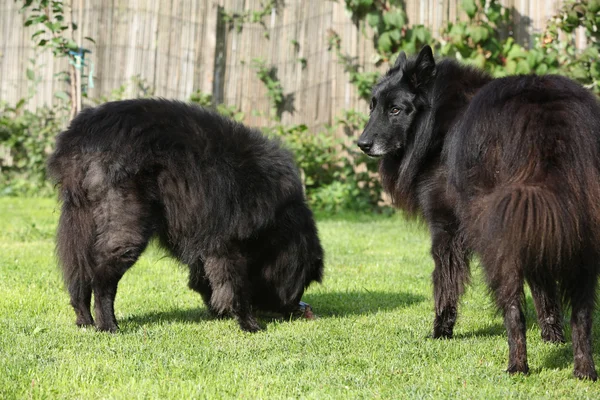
(179, 46)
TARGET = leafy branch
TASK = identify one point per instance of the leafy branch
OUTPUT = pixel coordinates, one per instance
(268, 76)
(251, 16)
(55, 33)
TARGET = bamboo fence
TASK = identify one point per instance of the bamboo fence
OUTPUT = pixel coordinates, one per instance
(180, 46)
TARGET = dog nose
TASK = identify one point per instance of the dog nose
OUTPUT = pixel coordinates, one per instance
(364, 145)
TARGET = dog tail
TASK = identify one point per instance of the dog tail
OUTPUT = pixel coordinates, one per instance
(76, 228)
(74, 241)
(536, 224)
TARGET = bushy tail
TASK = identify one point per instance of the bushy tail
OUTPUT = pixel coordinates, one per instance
(75, 234)
(533, 223)
(74, 243)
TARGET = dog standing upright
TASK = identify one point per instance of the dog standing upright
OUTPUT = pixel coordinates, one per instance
(508, 169)
(222, 198)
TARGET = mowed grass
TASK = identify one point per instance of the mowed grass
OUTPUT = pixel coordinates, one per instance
(371, 340)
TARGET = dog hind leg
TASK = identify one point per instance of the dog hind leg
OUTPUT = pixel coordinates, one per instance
(124, 227)
(75, 237)
(548, 309)
(505, 277)
(582, 294)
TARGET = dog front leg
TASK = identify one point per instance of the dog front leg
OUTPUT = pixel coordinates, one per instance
(450, 276)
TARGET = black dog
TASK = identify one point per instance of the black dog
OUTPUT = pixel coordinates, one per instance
(222, 198)
(508, 169)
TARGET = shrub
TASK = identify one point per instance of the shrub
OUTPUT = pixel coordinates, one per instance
(26, 139)
(206, 100)
(336, 176)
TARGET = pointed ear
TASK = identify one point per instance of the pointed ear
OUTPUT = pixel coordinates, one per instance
(424, 67)
(401, 60)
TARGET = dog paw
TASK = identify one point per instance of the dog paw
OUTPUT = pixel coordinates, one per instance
(111, 328)
(84, 323)
(441, 333)
(553, 335)
(249, 325)
(586, 373)
(518, 369)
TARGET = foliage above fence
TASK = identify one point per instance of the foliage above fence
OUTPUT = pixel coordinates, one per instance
(477, 40)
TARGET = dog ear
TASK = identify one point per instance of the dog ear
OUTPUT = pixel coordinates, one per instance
(424, 68)
(401, 60)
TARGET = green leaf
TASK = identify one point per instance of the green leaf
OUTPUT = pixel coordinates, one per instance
(478, 33)
(40, 19)
(591, 53)
(422, 34)
(523, 67)
(30, 74)
(469, 7)
(517, 51)
(568, 28)
(457, 31)
(384, 43)
(62, 95)
(572, 17)
(541, 69)
(394, 19)
(595, 70)
(494, 15)
(478, 60)
(20, 104)
(71, 45)
(579, 72)
(41, 31)
(410, 47)
(537, 55)
(508, 45)
(511, 66)
(373, 19)
(395, 35)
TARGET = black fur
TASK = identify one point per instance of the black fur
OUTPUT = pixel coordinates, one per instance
(508, 169)
(220, 197)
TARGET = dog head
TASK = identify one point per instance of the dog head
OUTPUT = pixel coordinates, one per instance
(286, 258)
(398, 99)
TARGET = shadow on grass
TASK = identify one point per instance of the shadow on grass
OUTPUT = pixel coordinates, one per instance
(561, 357)
(561, 354)
(488, 331)
(195, 314)
(324, 305)
(497, 329)
(335, 304)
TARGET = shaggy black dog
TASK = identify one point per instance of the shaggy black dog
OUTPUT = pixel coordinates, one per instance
(508, 169)
(222, 198)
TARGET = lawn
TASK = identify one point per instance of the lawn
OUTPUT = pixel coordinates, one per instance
(370, 341)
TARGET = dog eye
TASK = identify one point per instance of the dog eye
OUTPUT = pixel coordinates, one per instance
(395, 111)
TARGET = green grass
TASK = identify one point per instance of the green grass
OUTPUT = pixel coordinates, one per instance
(371, 340)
